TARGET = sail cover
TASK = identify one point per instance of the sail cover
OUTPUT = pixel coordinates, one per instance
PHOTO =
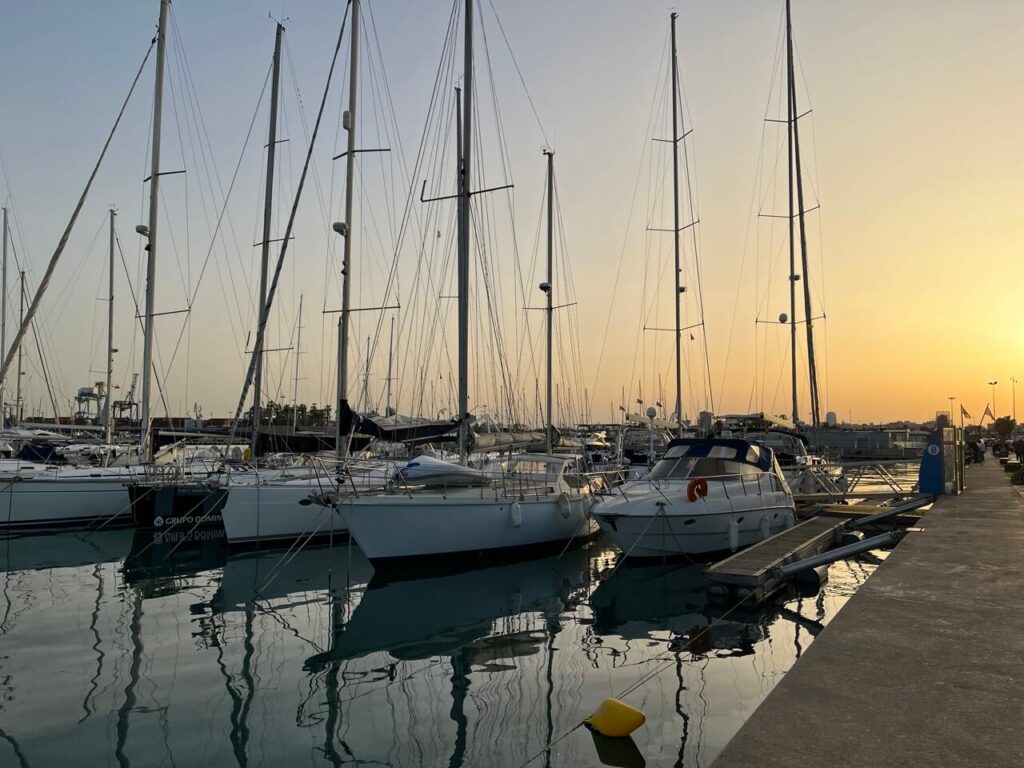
(412, 432)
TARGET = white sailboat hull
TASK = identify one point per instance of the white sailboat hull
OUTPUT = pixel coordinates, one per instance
(279, 511)
(75, 497)
(659, 521)
(427, 524)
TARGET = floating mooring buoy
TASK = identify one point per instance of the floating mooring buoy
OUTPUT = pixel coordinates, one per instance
(616, 719)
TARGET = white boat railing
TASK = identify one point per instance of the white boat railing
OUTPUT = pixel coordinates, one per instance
(731, 486)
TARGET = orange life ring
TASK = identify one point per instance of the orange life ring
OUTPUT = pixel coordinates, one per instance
(697, 489)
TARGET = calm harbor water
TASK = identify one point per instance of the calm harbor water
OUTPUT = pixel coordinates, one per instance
(117, 653)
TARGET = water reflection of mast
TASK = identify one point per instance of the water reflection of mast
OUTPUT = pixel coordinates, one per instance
(240, 705)
(461, 668)
(681, 712)
(552, 627)
(100, 655)
(124, 713)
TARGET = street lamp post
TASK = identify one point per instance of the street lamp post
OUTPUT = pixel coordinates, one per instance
(951, 398)
(1013, 394)
(993, 385)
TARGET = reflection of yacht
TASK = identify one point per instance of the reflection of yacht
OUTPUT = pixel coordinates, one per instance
(638, 600)
(272, 575)
(705, 495)
(407, 619)
(63, 549)
(158, 560)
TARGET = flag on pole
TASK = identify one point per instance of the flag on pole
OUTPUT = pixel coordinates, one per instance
(964, 413)
(988, 412)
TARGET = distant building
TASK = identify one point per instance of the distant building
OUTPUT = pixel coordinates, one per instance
(831, 419)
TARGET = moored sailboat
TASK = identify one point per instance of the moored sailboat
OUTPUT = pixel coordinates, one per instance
(537, 499)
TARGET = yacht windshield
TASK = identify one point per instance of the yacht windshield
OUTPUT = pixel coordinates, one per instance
(676, 465)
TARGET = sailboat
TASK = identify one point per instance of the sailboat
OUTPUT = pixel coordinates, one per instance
(536, 499)
(52, 496)
(270, 509)
(705, 494)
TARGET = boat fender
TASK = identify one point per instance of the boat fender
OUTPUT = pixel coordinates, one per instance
(563, 506)
(516, 514)
(615, 719)
(696, 489)
(734, 535)
(766, 528)
(789, 518)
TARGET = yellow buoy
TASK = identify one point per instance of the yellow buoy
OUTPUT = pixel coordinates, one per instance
(615, 718)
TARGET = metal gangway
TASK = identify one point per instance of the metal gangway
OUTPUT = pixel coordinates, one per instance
(839, 482)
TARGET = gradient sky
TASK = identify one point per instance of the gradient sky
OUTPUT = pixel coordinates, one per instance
(913, 149)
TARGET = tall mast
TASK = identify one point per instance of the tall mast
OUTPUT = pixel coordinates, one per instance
(108, 424)
(366, 378)
(391, 354)
(268, 203)
(349, 120)
(150, 233)
(21, 324)
(808, 315)
(675, 229)
(3, 312)
(465, 180)
(793, 276)
(298, 351)
(548, 428)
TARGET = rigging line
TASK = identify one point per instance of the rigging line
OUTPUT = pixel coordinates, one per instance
(519, 72)
(176, 111)
(199, 124)
(690, 194)
(71, 223)
(46, 375)
(440, 92)
(227, 197)
(272, 288)
(206, 165)
(625, 236)
(139, 321)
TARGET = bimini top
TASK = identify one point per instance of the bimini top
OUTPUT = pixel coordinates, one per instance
(727, 449)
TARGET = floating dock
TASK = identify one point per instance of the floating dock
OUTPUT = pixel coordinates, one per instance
(752, 572)
(922, 667)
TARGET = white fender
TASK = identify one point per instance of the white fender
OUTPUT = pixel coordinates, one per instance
(563, 506)
(766, 528)
(789, 518)
(734, 535)
(516, 514)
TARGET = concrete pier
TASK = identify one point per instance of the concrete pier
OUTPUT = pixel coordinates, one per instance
(924, 666)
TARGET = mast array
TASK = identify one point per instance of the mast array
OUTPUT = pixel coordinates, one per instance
(796, 214)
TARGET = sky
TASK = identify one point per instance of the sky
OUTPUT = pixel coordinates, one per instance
(911, 150)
